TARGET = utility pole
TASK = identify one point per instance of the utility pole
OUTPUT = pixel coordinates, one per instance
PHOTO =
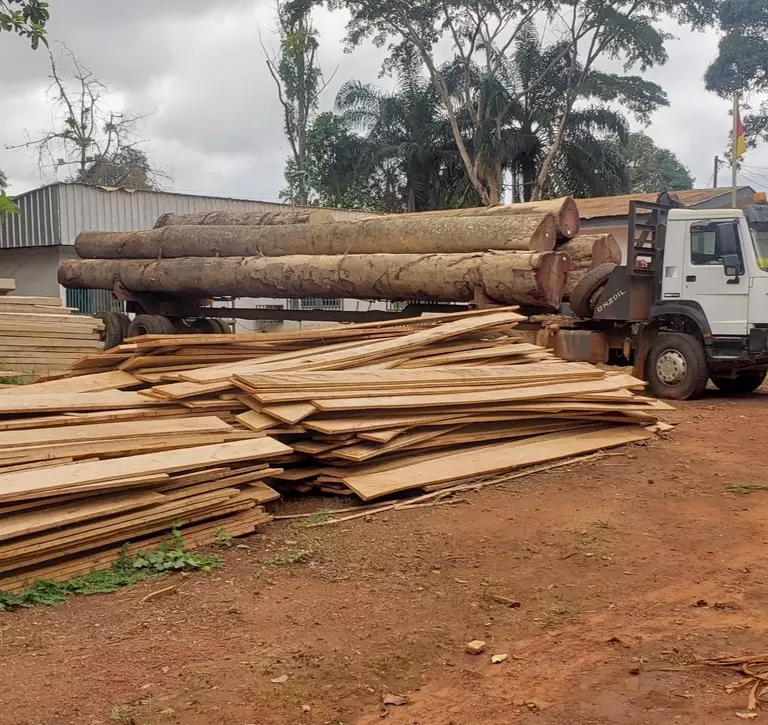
(717, 166)
(733, 148)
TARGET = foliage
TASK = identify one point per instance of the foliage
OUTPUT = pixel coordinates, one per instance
(300, 556)
(87, 136)
(26, 18)
(482, 33)
(7, 206)
(299, 80)
(341, 170)
(128, 168)
(741, 66)
(653, 169)
(168, 557)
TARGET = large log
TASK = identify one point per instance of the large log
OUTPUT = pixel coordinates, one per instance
(230, 218)
(532, 278)
(394, 234)
(564, 210)
(588, 251)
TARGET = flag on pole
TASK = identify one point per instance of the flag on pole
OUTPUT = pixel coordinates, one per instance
(740, 145)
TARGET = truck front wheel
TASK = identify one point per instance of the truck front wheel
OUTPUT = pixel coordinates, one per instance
(677, 366)
(745, 382)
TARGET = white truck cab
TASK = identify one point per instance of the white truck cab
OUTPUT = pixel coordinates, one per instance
(690, 303)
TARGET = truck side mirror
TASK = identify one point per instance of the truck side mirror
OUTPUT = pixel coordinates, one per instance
(731, 266)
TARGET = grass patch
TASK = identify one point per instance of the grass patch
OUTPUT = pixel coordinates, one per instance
(745, 488)
(13, 380)
(300, 556)
(168, 557)
(317, 518)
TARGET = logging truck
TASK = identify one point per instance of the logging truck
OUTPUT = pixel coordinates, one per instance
(688, 302)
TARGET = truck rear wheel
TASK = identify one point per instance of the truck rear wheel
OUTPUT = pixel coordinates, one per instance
(151, 325)
(210, 326)
(745, 382)
(677, 366)
(113, 333)
(582, 297)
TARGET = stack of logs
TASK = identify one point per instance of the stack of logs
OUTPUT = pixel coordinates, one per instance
(527, 254)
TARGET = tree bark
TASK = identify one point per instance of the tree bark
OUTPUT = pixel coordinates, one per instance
(392, 234)
(588, 251)
(228, 218)
(564, 210)
(530, 278)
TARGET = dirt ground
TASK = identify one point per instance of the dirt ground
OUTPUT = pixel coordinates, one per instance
(622, 567)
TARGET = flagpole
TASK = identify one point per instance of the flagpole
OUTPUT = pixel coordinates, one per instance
(734, 147)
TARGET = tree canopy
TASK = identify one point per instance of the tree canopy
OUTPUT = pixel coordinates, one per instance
(741, 66)
(654, 169)
(26, 18)
(483, 32)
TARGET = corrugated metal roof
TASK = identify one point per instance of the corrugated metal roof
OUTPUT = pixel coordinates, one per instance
(608, 206)
(57, 213)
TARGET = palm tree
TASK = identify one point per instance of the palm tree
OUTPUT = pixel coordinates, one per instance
(521, 128)
(412, 140)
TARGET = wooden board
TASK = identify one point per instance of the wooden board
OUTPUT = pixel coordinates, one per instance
(485, 460)
(81, 475)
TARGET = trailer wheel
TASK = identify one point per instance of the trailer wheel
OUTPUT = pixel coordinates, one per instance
(746, 382)
(151, 325)
(114, 331)
(582, 297)
(210, 326)
(677, 366)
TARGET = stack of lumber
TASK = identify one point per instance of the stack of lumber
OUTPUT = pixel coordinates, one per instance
(519, 254)
(39, 336)
(205, 429)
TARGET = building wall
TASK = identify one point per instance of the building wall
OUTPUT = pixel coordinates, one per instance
(34, 269)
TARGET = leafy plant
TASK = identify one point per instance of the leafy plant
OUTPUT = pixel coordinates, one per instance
(168, 557)
(7, 206)
(224, 538)
(317, 518)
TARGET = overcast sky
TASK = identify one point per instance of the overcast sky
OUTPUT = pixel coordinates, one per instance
(216, 126)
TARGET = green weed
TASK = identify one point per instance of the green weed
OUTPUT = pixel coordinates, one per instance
(317, 518)
(168, 557)
(745, 488)
(224, 538)
(300, 556)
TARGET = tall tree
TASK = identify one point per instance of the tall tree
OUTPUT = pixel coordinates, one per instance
(299, 80)
(86, 132)
(654, 169)
(483, 31)
(741, 66)
(411, 139)
(26, 18)
(342, 168)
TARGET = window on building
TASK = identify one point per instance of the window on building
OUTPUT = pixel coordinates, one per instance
(91, 301)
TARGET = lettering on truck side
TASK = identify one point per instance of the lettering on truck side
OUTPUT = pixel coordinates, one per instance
(610, 300)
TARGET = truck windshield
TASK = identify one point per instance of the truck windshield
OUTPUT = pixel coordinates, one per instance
(760, 242)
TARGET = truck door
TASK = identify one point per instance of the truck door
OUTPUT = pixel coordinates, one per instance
(725, 300)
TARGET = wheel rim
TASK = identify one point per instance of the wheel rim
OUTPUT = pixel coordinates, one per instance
(671, 367)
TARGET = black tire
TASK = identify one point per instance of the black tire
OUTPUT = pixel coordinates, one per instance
(583, 293)
(677, 366)
(125, 322)
(151, 325)
(113, 333)
(209, 326)
(746, 382)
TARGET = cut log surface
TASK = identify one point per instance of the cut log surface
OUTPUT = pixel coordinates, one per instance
(504, 277)
(588, 251)
(250, 218)
(393, 234)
